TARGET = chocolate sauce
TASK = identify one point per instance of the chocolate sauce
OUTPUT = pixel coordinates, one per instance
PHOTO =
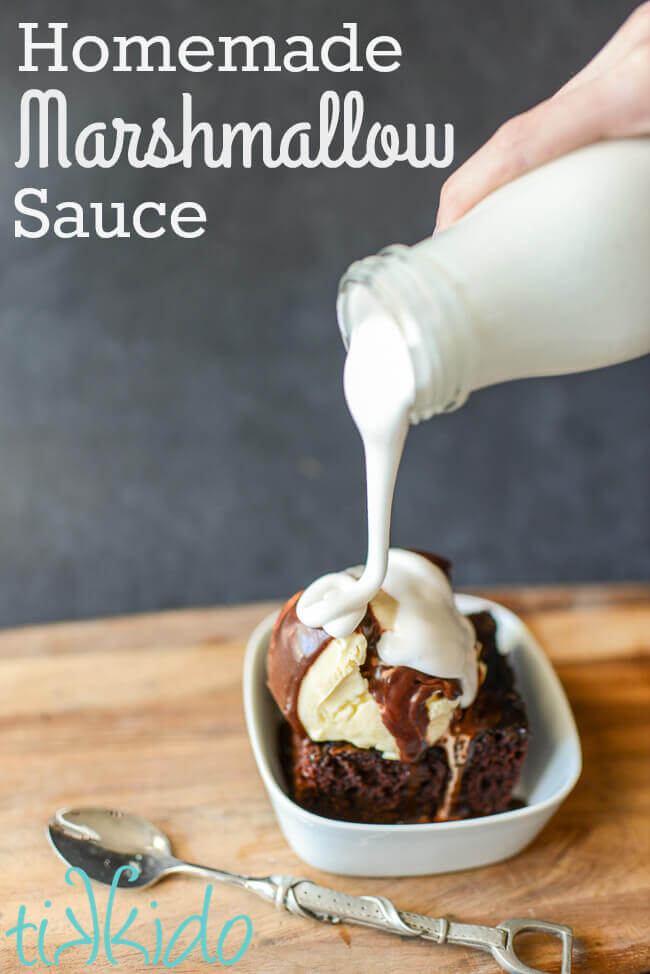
(402, 693)
(292, 650)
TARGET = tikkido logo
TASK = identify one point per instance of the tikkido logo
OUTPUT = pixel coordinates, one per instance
(31, 938)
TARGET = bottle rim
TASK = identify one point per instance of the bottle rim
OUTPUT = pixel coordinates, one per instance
(428, 309)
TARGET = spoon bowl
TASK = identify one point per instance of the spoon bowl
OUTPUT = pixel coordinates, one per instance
(100, 841)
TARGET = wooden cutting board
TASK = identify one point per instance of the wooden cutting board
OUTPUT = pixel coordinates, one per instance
(145, 714)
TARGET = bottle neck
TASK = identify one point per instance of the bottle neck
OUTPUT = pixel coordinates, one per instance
(407, 284)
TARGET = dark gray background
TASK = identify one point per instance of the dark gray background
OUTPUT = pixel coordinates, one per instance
(172, 429)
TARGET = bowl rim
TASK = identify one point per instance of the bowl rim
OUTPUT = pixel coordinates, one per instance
(255, 646)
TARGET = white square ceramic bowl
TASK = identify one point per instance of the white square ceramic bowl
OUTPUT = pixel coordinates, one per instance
(353, 849)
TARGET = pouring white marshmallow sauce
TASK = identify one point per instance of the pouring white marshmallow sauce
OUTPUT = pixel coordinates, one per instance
(379, 389)
(470, 307)
(426, 631)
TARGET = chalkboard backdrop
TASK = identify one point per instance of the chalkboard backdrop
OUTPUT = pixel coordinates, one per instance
(172, 427)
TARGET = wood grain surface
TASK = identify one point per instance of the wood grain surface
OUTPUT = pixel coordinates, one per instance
(145, 714)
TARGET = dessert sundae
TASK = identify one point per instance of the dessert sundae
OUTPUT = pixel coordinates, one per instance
(413, 716)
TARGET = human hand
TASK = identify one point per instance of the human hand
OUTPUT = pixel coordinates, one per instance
(609, 98)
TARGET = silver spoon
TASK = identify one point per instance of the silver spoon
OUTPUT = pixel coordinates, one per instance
(100, 841)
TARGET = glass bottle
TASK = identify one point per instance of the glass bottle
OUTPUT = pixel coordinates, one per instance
(549, 274)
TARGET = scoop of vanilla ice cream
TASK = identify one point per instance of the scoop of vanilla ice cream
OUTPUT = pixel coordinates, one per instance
(335, 704)
(421, 629)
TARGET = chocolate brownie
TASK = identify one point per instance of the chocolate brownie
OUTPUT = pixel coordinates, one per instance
(471, 771)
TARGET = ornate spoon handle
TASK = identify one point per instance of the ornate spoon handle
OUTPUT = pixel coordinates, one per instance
(304, 898)
(307, 899)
